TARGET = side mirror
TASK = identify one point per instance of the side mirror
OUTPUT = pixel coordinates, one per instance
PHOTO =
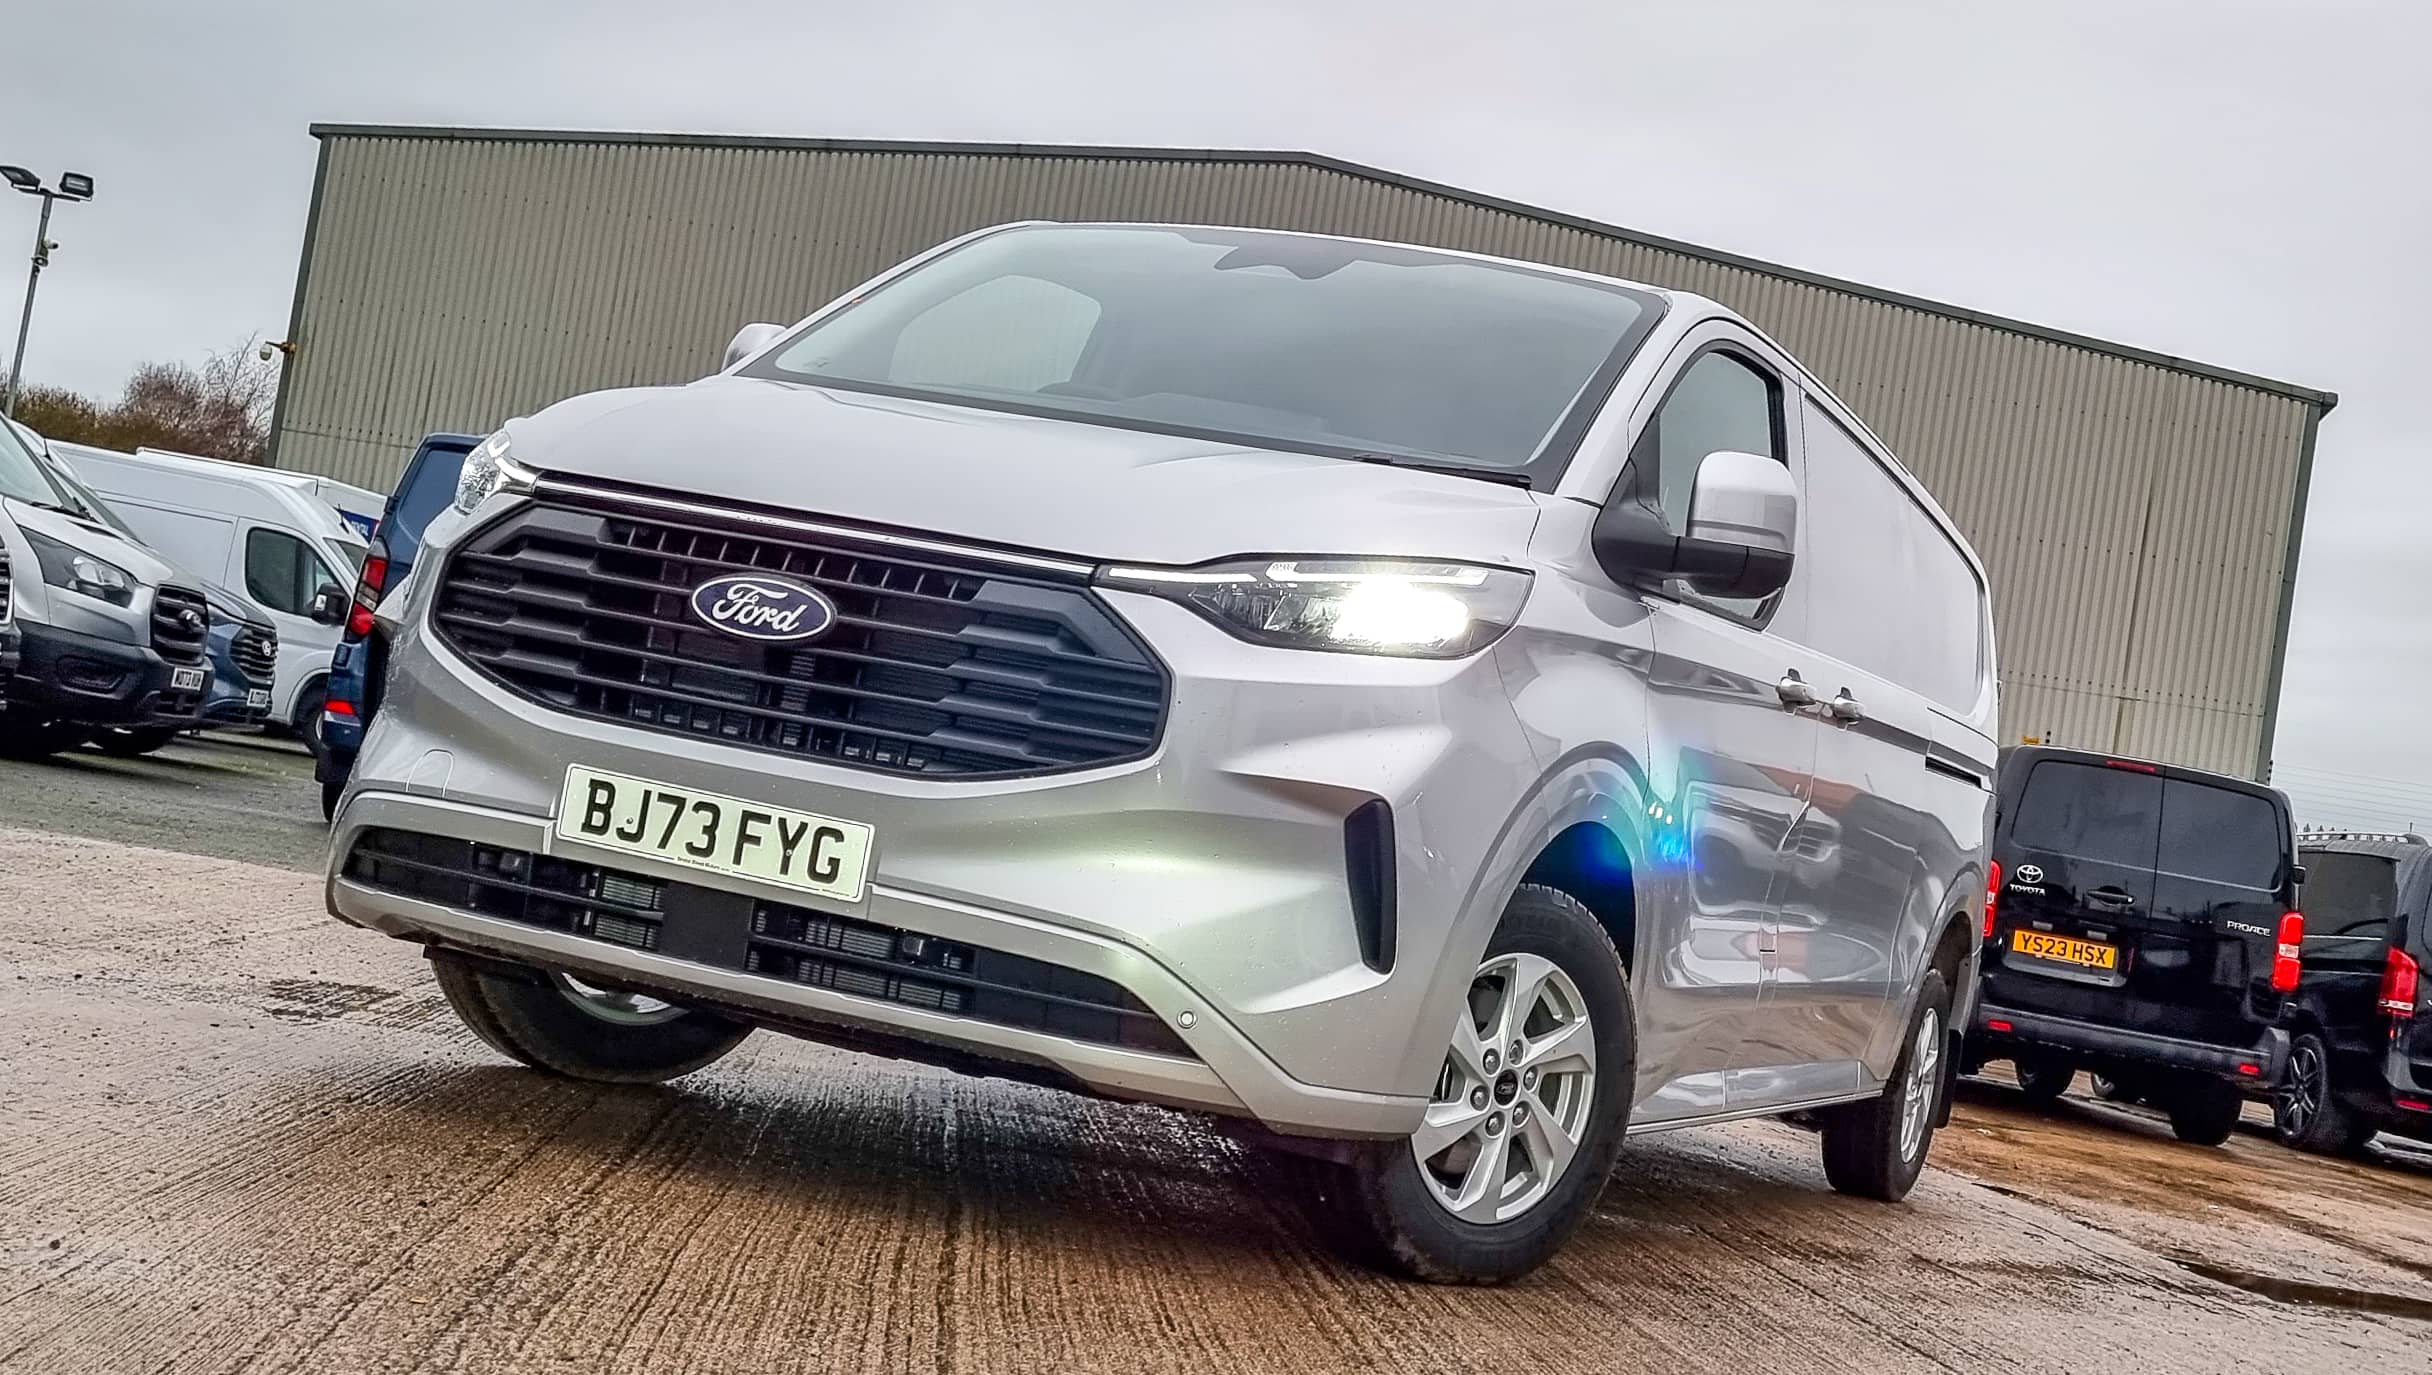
(750, 340)
(329, 605)
(1743, 531)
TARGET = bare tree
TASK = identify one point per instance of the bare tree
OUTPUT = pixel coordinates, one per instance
(219, 410)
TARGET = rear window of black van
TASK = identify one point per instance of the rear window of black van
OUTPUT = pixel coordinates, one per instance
(2144, 821)
(2349, 895)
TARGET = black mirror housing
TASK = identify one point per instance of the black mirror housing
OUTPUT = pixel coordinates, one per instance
(1632, 546)
(329, 605)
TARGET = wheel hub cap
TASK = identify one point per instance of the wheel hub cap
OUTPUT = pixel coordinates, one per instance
(1514, 1096)
(1923, 1081)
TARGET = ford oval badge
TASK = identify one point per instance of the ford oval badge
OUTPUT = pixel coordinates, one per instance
(758, 606)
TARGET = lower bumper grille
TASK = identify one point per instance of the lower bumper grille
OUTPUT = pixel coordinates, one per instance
(755, 936)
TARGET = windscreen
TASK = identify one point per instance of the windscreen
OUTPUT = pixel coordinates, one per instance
(22, 476)
(2349, 895)
(1281, 341)
(2141, 820)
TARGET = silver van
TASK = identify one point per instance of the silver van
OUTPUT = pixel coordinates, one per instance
(1442, 713)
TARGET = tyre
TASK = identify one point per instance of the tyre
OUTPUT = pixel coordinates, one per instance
(1527, 1114)
(561, 1025)
(1876, 1149)
(2044, 1077)
(128, 744)
(2307, 1112)
(306, 723)
(330, 793)
(25, 737)
(2203, 1110)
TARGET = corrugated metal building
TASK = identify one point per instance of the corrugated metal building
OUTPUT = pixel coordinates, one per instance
(2139, 513)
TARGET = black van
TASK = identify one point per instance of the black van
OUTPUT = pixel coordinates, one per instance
(2144, 927)
(2362, 1059)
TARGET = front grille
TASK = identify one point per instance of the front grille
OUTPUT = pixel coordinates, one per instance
(938, 663)
(256, 650)
(181, 624)
(755, 936)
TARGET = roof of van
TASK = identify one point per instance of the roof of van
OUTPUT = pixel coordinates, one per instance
(124, 476)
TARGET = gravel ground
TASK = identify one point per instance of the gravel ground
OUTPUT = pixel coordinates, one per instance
(237, 1136)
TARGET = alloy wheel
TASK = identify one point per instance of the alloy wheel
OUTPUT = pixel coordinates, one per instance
(1514, 1096)
(1917, 1091)
(2302, 1098)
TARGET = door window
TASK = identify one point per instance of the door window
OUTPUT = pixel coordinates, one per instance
(1722, 401)
(282, 572)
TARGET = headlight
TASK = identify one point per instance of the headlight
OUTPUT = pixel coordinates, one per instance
(489, 470)
(1401, 607)
(66, 566)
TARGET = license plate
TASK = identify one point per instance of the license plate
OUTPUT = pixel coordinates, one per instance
(821, 855)
(2065, 949)
(258, 698)
(185, 679)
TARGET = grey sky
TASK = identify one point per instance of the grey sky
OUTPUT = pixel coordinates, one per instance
(2231, 180)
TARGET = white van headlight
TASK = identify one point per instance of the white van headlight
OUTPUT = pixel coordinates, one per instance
(489, 470)
(1403, 607)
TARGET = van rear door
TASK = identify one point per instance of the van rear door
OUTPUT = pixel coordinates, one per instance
(2143, 898)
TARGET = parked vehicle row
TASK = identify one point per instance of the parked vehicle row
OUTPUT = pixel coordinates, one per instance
(124, 646)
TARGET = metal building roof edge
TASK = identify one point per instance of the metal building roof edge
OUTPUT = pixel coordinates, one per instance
(2323, 400)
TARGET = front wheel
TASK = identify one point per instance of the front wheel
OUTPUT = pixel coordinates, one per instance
(1876, 1149)
(1527, 1113)
(28, 737)
(2203, 1110)
(562, 1025)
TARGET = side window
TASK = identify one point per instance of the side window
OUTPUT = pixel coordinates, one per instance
(281, 571)
(1721, 402)
(1888, 592)
(1015, 334)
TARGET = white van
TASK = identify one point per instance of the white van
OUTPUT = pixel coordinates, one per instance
(264, 532)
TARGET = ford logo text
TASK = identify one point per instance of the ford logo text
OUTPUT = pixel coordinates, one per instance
(756, 606)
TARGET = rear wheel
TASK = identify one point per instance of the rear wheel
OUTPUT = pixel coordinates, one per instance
(306, 723)
(330, 792)
(1526, 1117)
(2044, 1077)
(2307, 1112)
(2203, 1110)
(562, 1025)
(1876, 1149)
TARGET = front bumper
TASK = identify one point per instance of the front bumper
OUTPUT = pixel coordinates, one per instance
(1209, 879)
(2000, 1031)
(84, 678)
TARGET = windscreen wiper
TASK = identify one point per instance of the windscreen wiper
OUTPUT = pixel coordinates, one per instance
(1509, 477)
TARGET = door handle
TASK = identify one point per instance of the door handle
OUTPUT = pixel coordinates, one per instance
(2110, 899)
(1845, 708)
(1793, 690)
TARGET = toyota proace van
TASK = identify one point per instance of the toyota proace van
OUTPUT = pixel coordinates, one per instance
(1446, 714)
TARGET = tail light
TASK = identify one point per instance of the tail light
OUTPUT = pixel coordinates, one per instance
(2400, 979)
(368, 586)
(1992, 894)
(2288, 957)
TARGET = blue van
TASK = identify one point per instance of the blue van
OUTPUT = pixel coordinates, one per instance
(426, 488)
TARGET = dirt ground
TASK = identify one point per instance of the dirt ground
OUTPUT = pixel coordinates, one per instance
(236, 1136)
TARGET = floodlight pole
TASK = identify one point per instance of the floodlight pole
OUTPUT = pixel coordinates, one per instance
(33, 278)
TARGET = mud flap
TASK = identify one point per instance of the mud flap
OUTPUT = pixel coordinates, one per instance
(1955, 1044)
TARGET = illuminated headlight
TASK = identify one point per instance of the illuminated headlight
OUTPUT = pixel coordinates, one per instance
(1400, 607)
(489, 470)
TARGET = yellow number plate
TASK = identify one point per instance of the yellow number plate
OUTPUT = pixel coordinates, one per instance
(2066, 949)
